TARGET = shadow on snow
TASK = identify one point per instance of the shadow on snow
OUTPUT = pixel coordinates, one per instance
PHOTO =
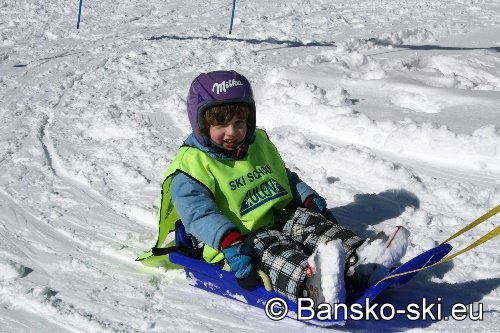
(371, 209)
(427, 47)
(288, 43)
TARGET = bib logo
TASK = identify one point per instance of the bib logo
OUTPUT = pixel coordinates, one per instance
(260, 194)
(224, 85)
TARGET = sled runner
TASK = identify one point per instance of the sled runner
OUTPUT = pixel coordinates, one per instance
(214, 279)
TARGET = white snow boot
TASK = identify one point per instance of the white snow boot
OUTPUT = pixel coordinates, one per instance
(377, 256)
(325, 274)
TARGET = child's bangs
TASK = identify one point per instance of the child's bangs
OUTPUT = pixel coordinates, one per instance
(222, 114)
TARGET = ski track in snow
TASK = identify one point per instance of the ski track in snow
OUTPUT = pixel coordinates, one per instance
(390, 110)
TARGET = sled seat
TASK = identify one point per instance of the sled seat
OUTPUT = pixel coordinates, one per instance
(185, 243)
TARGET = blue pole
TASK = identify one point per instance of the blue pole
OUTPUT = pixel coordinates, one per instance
(232, 17)
(79, 14)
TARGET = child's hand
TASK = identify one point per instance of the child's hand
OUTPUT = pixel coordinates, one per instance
(240, 262)
(318, 204)
(315, 202)
(242, 266)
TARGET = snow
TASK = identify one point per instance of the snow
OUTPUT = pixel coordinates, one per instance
(390, 109)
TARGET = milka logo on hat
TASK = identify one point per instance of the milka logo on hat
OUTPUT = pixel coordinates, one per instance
(224, 85)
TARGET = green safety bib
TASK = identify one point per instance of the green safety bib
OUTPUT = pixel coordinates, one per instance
(249, 191)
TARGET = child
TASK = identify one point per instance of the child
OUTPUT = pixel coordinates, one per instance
(231, 190)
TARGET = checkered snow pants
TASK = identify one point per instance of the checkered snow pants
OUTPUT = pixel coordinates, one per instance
(285, 249)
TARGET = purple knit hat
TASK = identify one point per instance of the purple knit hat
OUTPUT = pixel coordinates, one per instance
(216, 88)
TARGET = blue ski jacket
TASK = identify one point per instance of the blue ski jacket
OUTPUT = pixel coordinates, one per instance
(198, 210)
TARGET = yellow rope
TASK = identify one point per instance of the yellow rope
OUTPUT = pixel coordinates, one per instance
(492, 234)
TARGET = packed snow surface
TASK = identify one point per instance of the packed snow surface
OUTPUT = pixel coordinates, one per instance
(389, 109)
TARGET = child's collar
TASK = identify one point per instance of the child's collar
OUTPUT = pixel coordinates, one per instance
(217, 152)
(237, 153)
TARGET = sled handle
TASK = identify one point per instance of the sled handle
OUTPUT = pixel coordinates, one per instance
(266, 281)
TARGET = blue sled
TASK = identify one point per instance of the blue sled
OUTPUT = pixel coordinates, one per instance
(214, 279)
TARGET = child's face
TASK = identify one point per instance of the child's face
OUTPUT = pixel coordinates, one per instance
(229, 135)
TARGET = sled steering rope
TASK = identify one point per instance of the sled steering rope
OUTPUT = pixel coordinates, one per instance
(490, 235)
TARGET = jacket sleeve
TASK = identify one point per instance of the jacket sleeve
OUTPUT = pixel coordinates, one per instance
(198, 211)
(300, 190)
